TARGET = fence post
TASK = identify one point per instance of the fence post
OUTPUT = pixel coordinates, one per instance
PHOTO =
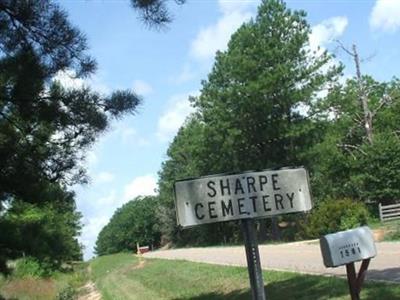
(380, 212)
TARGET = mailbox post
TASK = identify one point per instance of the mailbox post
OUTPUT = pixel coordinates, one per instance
(347, 247)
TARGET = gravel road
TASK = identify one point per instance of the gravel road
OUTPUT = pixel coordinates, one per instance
(303, 257)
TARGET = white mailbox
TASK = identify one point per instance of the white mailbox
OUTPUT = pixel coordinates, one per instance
(348, 246)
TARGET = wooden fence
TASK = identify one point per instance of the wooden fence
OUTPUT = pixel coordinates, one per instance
(389, 212)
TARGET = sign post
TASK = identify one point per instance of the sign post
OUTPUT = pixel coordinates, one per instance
(347, 247)
(253, 260)
(246, 196)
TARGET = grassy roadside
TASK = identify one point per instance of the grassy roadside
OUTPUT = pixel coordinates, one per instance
(61, 285)
(393, 230)
(390, 228)
(124, 276)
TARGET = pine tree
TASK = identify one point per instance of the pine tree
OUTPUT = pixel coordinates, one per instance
(44, 127)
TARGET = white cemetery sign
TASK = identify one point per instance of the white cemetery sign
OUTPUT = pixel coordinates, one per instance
(261, 194)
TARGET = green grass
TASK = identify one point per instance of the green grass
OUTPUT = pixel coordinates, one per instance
(123, 276)
(30, 288)
(391, 228)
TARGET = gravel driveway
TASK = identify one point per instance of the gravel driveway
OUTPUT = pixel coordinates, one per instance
(303, 257)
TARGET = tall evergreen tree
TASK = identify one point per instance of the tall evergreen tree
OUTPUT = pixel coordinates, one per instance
(248, 112)
(45, 128)
(250, 102)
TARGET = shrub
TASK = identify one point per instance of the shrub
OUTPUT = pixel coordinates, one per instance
(2, 281)
(67, 293)
(335, 215)
(28, 267)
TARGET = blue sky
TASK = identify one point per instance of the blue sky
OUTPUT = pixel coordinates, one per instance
(166, 66)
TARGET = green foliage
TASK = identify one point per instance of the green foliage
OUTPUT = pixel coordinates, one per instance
(105, 264)
(335, 215)
(47, 232)
(378, 177)
(58, 284)
(134, 222)
(392, 230)
(247, 115)
(45, 128)
(76, 276)
(29, 267)
(250, 101)
(394, 236)
(67, 293)
(154, 12)
(347, 164)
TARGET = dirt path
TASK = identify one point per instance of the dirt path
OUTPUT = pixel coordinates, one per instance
(89, 290)
(302, 257)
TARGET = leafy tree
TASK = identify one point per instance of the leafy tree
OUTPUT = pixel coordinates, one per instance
(134, 222)
(352, 161)
(335, 215)
(183, 156)
(188, 157)
(47, 231)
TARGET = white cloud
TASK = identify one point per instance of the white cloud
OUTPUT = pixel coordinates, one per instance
(124, 132)
(91, 229)
(127, 134)
(142, 142)
(98, 85)
(327, 31)
(140, 186)
(142, 88)
(108, 202)
(228, 6)
(215, 37)
(104, 177)
(68, 80)
(186, 74)
(173, 118)
(91, 157)
(385, 15)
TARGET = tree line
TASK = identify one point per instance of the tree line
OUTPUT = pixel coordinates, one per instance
(271, 101)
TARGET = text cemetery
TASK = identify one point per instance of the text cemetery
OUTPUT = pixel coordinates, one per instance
(239, 196)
